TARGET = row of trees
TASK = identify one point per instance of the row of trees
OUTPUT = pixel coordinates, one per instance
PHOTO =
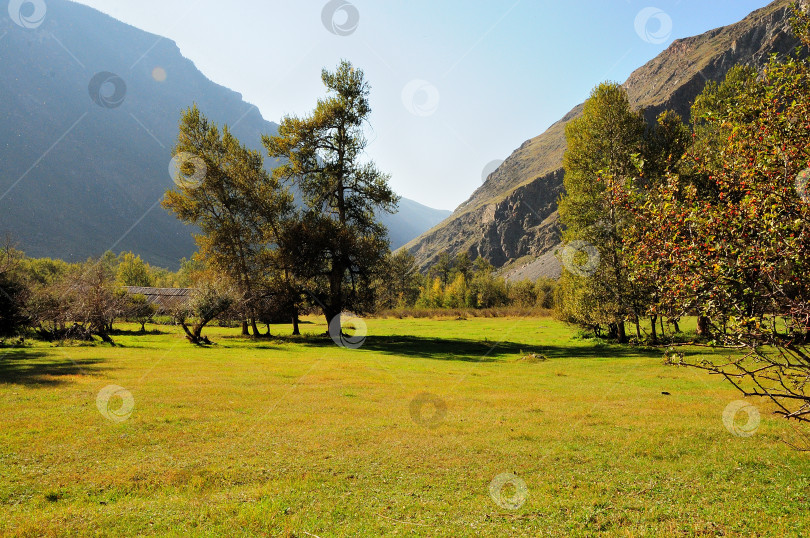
(712, 221)
(613, 160)
(461, 283)
(61, 300)
(77, 300)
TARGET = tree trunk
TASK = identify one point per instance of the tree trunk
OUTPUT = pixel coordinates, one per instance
(703, 327)
(194, 335)
(676, 326)
(256, 332)
(296, 331)
(622, 333)
(654, 335)
(189, 334)
(105, 337)
(618, 332)
(638, 328)
(330, 315)
(245, 331)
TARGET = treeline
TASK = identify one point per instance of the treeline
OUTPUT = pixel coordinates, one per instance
(710, 219)
(60, 300)
(327, 253)
(457, 283)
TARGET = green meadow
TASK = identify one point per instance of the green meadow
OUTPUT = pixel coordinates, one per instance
(469, 433)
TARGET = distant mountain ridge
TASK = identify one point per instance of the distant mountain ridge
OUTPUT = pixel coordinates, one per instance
(84, 165)
(512, 220)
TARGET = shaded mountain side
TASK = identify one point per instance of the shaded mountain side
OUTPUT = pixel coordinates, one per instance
(410, 221)
(522, 193)
(77, 178)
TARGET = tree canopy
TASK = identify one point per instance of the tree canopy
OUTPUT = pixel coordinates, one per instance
(337, 245)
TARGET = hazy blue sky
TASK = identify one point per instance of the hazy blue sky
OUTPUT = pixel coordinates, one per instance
(455, 84)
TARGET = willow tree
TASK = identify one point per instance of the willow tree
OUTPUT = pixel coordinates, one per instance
(338, 245)
(221, 186)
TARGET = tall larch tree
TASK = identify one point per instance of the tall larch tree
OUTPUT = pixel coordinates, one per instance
(337, 243)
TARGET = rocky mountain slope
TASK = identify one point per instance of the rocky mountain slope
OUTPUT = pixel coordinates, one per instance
(512, 221)
(88, 113)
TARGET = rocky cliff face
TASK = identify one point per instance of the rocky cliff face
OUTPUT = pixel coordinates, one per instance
(512, 221)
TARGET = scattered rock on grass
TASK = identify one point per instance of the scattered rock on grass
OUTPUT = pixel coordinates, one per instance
(533, 358)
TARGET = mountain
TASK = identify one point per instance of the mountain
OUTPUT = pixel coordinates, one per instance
(512, 219)
(410, 221)
(89, 109)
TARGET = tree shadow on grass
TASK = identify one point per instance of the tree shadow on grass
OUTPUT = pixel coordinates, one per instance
(600, 350)
(467, 350)
(448, 349)
(27, 367)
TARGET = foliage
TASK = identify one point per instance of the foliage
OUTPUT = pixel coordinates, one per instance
(209, 300)
(138, 308)
(337, 247)
(89, 299)
(473, 285)
(601, 159)
(615, 164)
(728, 234)
(132, 271)
(13, 291)
(523, 294)
(399, 282)
(223, 188)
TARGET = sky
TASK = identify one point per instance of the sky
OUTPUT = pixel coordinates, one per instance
(455, 84)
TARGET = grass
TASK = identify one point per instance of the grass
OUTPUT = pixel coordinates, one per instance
(298, 437)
